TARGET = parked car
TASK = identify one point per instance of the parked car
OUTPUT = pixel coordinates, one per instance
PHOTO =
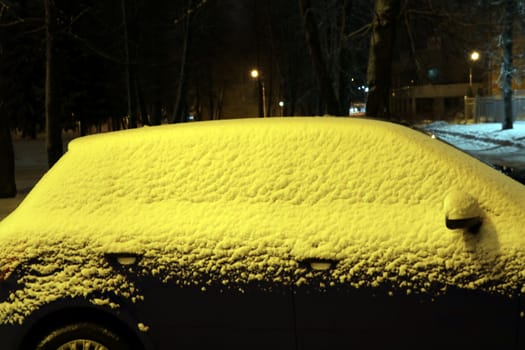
(274, 233)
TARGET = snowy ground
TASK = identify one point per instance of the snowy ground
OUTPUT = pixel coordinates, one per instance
(486, 141)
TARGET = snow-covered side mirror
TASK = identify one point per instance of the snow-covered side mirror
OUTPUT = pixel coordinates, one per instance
(462, 211)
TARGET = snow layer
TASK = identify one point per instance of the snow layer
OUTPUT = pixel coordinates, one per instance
(246, 201)
(486, 137)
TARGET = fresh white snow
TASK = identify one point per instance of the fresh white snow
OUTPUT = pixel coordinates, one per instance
(244, 201)
(487, 141)
(479, 136)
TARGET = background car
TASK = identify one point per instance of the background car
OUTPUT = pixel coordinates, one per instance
(285, 233)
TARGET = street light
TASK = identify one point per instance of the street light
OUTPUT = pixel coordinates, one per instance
(254, 73)
(281, 104)
(474, 56)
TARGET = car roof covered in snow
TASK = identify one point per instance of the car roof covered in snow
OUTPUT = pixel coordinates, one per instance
(261, 195)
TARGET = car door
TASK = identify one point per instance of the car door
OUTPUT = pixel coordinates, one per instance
(192, 316)
(343, 317)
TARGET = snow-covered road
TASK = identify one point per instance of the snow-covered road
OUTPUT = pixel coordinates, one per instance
(486, 141)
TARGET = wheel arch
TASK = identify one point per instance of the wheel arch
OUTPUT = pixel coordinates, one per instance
(121, 324)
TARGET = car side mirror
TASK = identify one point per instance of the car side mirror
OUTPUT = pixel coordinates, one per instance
(462, 211)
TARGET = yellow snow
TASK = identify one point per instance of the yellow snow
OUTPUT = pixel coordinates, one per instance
(247, 200)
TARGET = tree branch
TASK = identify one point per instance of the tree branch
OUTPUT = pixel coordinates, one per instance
(77, 17)
(190, 11)
(96, 50)
(5, 7)
(361, 31)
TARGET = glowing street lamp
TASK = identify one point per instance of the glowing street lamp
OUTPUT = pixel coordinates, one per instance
(474, 56)
(255, 74)
(281, 104)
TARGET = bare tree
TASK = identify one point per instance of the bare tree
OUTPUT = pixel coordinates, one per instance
(386, 13)
(509, 21)
(325, 81)
(129, 68)
(52, 109)
(7, 158)
(183, 63)
(507, 69)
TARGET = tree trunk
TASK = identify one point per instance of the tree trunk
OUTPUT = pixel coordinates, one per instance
(210, 93)
(129, 76)
(344, 57)
(507, 68)
(379, 75)
(142, 106)
(324, 80)
(7, 159)
(52, 108)
(178, 108)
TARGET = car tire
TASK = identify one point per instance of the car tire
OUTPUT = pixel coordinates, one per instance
(83, 336)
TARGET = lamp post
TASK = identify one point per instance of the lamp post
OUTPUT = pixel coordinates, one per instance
(470, 103)
(281, 105)
(474, 56)
(254, 73)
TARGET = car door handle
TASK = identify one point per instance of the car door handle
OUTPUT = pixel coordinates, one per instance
(318, 264)
(123, 259)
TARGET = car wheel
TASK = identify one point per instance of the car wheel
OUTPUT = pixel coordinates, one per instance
(83, 336)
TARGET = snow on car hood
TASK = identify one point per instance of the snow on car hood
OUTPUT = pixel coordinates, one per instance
(245, 201)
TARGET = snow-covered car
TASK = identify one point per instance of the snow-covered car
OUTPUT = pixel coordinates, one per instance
(274, 233)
